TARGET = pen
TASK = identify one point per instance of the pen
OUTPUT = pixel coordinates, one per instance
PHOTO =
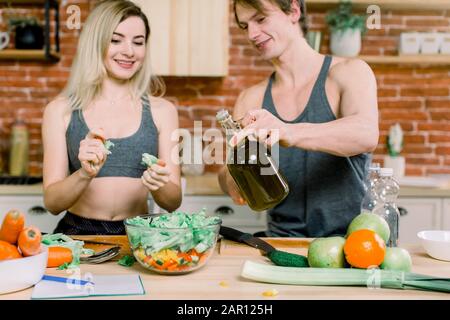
(65, 280)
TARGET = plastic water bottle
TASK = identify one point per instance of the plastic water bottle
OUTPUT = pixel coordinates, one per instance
(370, 199)
(387, 189)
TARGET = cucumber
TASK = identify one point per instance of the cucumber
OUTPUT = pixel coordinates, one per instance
(287, 259)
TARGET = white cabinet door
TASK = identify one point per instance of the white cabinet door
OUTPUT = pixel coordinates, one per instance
(422, 214)
(446, 214)
(239, 217)
(33, 208)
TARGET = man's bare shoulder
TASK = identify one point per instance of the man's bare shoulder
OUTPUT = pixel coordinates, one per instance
(250, 98)
(345, 71)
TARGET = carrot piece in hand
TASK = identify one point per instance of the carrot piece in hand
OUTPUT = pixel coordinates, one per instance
(57, 256)
(12, 225)
(8, 251)
(30, 241)
(161, 163)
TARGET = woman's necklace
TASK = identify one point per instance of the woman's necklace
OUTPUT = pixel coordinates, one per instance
(113, 102)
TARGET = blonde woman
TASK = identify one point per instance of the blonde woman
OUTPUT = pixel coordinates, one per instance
(110, 95)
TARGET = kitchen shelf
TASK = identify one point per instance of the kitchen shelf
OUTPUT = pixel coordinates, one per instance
(385, 4)
(439, 59)
(23, 2)
(16, 54)
(47, 53)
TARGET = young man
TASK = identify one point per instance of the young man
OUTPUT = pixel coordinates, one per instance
(325, 112)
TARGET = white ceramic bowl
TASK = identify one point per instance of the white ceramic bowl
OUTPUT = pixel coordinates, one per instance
(436, 243)
(19, 274)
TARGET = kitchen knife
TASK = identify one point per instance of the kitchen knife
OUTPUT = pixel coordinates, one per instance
(247, 238)
(278, 257)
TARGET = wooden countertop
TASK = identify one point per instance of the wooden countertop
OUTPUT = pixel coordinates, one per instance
(208, 185)
(226, 266)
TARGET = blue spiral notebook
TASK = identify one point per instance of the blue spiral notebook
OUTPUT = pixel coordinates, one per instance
(51, 287)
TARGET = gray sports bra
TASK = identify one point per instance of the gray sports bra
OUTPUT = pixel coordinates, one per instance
(126, 155)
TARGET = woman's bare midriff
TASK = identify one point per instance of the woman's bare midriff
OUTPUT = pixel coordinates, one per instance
(112, 199)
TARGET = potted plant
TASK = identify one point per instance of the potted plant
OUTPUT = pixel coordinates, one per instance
(29, 34)
(346, 30)
(394, 145)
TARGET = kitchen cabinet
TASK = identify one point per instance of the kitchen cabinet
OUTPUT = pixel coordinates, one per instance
(188, 37)
(422, 214)
(33, 208)
(416, 5)
(446, 214)
(239, 217)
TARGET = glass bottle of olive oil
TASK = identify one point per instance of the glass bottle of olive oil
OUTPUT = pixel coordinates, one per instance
(18, 158)
(253, 169)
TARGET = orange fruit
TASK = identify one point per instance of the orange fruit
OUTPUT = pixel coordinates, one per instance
(364, 248)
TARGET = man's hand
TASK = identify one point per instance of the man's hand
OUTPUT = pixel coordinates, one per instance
(265, 127)
(92, 153)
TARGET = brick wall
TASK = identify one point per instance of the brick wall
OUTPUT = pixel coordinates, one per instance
(415, 96)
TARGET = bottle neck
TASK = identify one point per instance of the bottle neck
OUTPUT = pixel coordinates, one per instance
(230, 126)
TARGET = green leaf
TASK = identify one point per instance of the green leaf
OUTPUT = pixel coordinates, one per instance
(342, 18)
(64, 266)
(127, 261)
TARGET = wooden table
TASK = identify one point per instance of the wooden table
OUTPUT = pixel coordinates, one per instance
(225, 266)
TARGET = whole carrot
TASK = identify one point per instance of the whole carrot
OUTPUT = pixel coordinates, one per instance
(30, 241)
(8, 251)
(12, 225)
(58, 256)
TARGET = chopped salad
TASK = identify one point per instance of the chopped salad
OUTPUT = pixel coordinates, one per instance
(174, 242)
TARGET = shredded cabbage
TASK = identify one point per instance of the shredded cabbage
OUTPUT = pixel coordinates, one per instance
(148, 159)
(183, 232)
(108, 145)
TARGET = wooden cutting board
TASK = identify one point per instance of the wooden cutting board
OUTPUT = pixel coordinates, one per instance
(226, 247)
(293, 245)
(109, 241)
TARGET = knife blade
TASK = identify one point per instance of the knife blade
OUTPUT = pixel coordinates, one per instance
(243, 237)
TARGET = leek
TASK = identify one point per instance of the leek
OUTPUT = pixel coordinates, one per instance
(343, 277)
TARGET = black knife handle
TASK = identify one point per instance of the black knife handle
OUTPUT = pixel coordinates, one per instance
(234, 234)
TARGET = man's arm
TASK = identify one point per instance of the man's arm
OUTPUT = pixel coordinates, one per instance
(356, 129)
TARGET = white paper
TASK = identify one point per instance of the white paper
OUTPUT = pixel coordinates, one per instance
(104, 285)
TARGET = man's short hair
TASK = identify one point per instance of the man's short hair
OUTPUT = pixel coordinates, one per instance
(284, 5)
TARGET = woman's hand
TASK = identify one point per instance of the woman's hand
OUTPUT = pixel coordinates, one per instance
(263, 125)
(156, 176)
(92, 153)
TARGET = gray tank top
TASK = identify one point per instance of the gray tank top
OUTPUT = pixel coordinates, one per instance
(126, 155)
(325, 190)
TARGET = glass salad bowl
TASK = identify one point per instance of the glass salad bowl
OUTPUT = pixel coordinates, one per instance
(173, 243)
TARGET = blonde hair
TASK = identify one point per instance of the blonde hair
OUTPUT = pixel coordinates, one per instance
(88, 69)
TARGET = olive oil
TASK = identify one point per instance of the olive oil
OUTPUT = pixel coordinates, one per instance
(18, 158)
(253, 169)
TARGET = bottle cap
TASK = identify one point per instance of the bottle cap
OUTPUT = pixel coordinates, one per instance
(222, 115)
(386, 172)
